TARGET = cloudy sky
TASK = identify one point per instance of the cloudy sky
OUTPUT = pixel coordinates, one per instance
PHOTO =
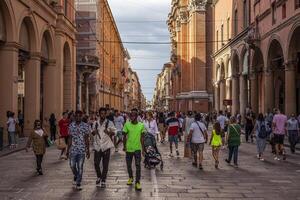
(144, 21)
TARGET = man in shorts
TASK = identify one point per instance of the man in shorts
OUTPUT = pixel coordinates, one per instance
(173, 130)
(279, 130)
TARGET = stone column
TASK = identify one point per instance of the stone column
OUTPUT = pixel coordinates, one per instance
(290, 89)
(254, 92)
(32, 91)
(222, 94)
(8, 82)
(235, 96)
(243, 102)
(86, 95)
(50, 91)
(217, 99)
(269, 90)
(79, 92)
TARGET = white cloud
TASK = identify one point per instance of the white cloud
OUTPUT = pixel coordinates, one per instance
(129, 16)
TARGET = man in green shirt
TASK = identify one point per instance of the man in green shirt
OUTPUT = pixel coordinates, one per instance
(133, 145)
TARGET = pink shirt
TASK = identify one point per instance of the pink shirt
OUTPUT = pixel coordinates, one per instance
(279, 120)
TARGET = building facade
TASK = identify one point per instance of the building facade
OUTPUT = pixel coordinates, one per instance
(162, 93)
(190, 28)
(112, 57)
(87, 55)
(259, 65)
(37, 59)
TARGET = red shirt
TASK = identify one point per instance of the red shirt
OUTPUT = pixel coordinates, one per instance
(173, 125)
(64, 127)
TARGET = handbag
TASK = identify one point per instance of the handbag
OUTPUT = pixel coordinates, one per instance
(60, 143)
(48, 142)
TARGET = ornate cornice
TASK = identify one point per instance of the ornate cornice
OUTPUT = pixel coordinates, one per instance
(197, 5)
(184, 15)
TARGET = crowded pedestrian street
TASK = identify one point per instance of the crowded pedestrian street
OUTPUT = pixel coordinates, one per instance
(179, 180)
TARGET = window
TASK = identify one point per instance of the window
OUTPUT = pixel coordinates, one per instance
(235, 22)
(297, 4)
(222, 35)
(228, 23)
(273, 13)
(283, 11)
(66, 7)
(246, 14)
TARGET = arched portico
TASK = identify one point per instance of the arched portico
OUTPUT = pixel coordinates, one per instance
(67, 78)
(235, 83)
(256, 76)
(292, 72)
(275, 77)
(28, 73)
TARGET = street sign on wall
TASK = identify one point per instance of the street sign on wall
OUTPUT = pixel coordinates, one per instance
(227, 102)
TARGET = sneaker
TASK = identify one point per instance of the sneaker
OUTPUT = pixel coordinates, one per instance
(98, 181)
(257, 156)
(130, 181)
(261, 159)
(78, 187)
(171, 155)
(194, 164)
(177, 152)
(138, 187)
(276, 158)
(103, 184)
(116, 150)
(226, 160)
(200, 167)
(236, 165)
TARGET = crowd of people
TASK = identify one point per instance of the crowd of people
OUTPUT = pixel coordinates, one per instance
(108, 128)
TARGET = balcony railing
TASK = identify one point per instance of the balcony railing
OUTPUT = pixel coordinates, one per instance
(88, 61)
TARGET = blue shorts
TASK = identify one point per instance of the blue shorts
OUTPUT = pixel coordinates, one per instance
(173, 139)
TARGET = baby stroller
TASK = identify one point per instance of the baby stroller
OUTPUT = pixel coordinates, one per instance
(152, 155)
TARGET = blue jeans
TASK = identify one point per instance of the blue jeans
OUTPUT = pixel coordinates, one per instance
(76, 164)
(233, 151)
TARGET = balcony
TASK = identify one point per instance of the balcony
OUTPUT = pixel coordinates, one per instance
(87, 63)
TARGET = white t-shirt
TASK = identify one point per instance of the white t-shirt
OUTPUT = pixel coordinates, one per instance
(119, 121)
(198, 136)
(151, 127)
(222, 120)
(11, 124)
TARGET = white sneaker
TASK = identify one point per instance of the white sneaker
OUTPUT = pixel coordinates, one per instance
(261, 159)
(257, 156)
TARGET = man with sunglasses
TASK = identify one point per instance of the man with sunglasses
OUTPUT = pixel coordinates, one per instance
(133, 146)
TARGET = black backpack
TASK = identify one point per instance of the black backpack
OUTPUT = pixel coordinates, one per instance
(263, 133)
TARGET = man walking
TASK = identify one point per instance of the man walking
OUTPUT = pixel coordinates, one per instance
(78, 147)
(292, 127)
(279, 123)
(103, 129)
(119, 123)
(133, 145)
(173, 129)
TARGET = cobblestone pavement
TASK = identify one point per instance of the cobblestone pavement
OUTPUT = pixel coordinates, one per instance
(179, 180)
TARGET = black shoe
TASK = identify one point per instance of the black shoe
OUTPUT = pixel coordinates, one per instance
(226, 160)
(98, 181)
(103, 184)
(200, 167)
(78, 187)
(194, 164)
(177, 152)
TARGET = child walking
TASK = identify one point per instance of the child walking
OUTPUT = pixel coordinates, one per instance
(216, 142)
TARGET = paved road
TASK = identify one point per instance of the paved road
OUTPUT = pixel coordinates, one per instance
(179, 180)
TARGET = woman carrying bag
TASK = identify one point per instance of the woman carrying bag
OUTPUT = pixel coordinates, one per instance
(233, 141)
(38, 138)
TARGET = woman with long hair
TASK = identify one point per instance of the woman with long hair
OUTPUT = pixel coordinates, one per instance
(216, 142)
(38, 139)
(262, 131)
